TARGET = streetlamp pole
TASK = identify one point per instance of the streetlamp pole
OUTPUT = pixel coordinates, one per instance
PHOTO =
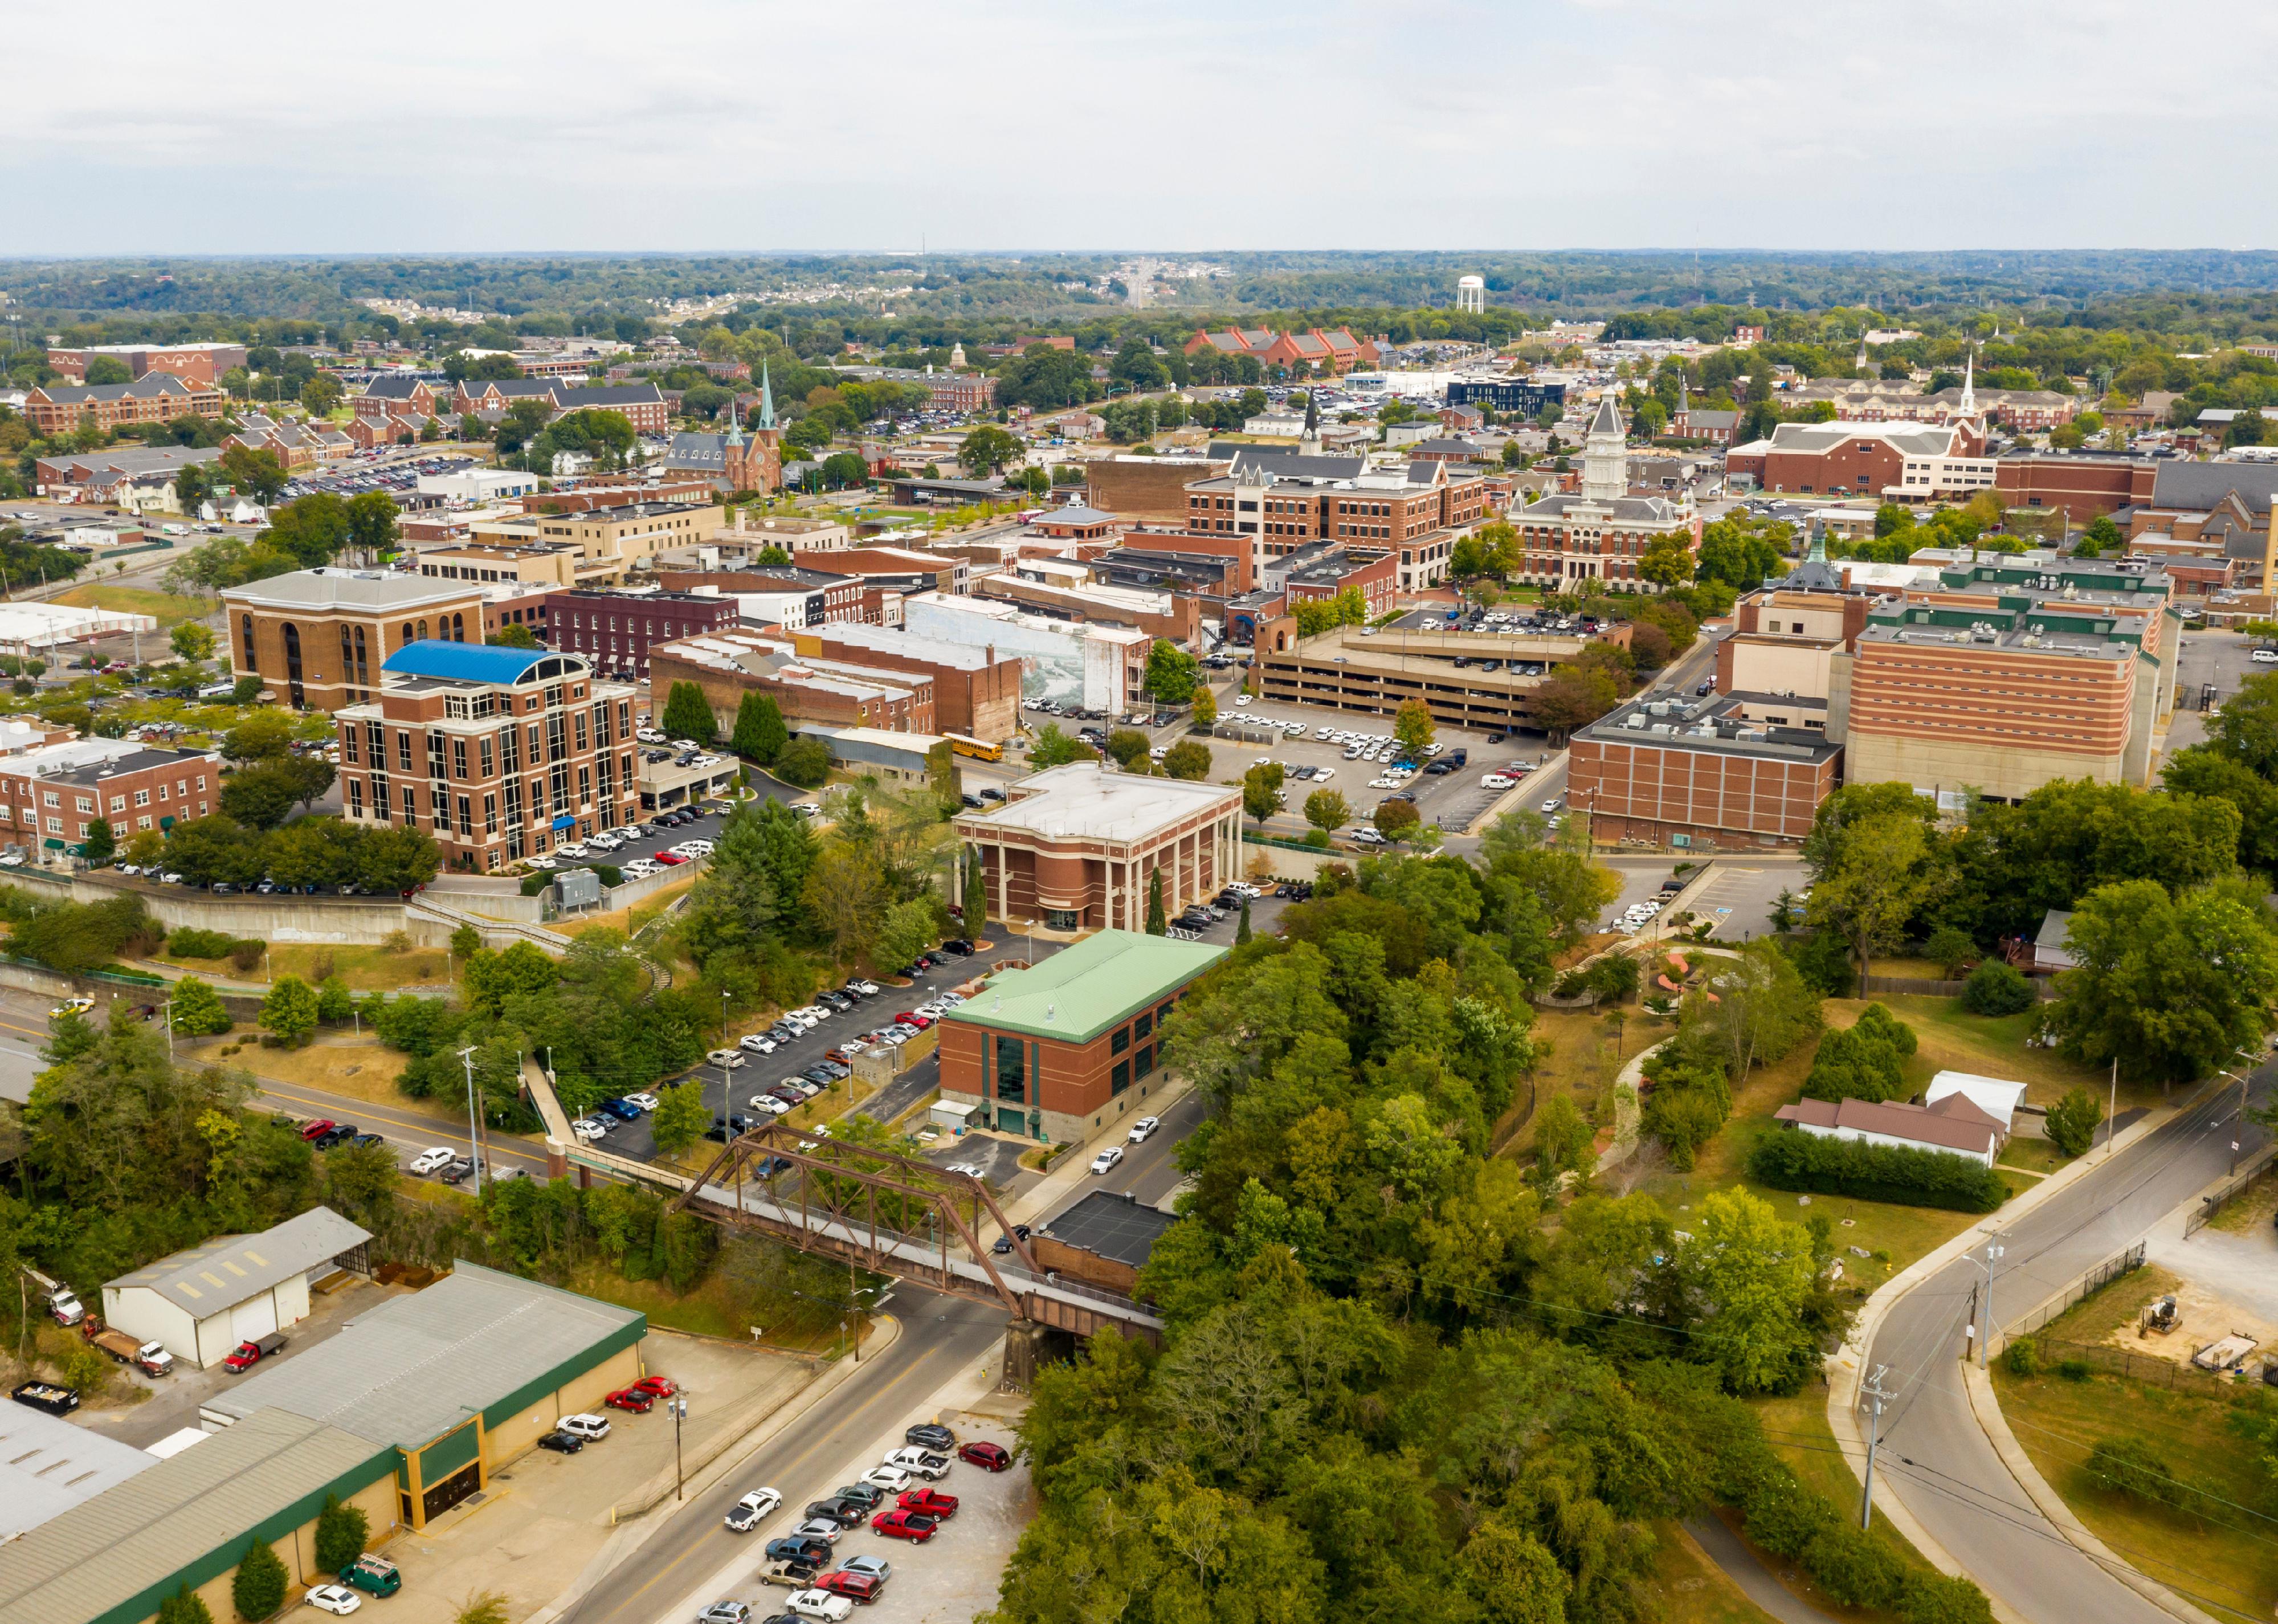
(679, 1476)
(1994, 1252)
(474, 1144)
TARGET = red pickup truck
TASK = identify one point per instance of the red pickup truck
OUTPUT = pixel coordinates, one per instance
(248, 1354)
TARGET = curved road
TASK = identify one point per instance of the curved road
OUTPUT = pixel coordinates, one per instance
(1935, 1457)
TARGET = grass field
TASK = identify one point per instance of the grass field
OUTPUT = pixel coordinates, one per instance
(365, 969)
(169, 610)
(1686, 1587)
(629, 919)
(1584, 1052)
(712, 1309)
(365, 1071)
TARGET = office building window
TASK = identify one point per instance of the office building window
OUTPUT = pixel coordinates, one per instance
(1120, 1079)
(1143, 1061)
(1119, 1040)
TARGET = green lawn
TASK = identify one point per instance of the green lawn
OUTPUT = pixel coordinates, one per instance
(1796, 1427)
(1686, 1587)
(169, 610)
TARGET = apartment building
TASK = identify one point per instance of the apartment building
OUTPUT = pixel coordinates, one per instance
(52, 796)
(1524, 397)
(2013, 672)
(501, 753)
(156, 397)
(1858, 400)
(319, 638)
(1283, 499)
(1310, 349)
(727, 665)
(644, 405)
(294, 445)
(83, 474)
(902, 569)
(1601, 532)
(385, 399)
(1466, 678)
(615, 630)
(1711, 774)
(200, 363)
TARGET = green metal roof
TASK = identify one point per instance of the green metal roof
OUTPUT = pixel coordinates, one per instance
(1081, 991)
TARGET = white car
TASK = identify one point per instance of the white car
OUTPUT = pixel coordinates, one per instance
(1104, 1162)
(1144, 1128)
(893, 1480)
(769, 1105)
(964, 1170)
(588, 1426)
(2265, 656)
(746, 1514)
(925, 1463)
(1552, 804)
(1242, 703)
(334, 1598)
(71, 1006)
(757, 1043)
(820, 1605)
(1322, 775)
(570, 851)
(868, 989)
(646, 1100)
(588, 1128)
(729, 1612)
(1498, 781)
(541, 862)
(432, 1160)
(726, 1059)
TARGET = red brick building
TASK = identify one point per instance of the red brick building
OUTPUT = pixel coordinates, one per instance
(500, 753)
(975, 691)
(156, 397)
(644, 404)
(1861, 459)
(51, 797)
(1335, 350)
(726, 665)
(1706, 775)
(1322, 572)
(415, 398)
(614, 629)
(203, 364)
(2083, 487)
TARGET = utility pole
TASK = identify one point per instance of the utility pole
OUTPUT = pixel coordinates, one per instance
(2112, 1112)
(1994, 1253)
(679, 1414)
(474, 1144)
(1874, 1391)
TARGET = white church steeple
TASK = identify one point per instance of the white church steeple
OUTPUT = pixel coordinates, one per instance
(1605, 459)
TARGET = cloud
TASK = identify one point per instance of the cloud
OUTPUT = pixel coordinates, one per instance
(689, 124)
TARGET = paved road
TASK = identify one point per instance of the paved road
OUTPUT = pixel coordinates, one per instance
(940, 1337)
(1937, 1460)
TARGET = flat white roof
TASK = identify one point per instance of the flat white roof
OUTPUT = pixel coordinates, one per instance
(1997, 1096)
(1090, 799)
(325, 589)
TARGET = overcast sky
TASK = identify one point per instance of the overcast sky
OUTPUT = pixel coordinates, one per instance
(692, 125)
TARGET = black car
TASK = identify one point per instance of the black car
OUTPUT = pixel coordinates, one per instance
(958, 946)
(1002, 1244)
(845, 1514)
(562, 1443)
(362, 1140)
(927, 1435)
(331, 1137)
(816, 1075)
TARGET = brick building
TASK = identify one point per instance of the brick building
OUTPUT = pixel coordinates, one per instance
(1284, 500)
(404, 397)
(1603, 531)
(976, 692)
(1310, 349)
(608, 543)
(897, 567)
(1709, 774)
(1075, 847)
(644, 404)
(2083, 487)
(318, 638)
(1238, 552)
(615, 630)
(785, 595)
(66, 474)
(1469, 679)
(726, 665)
(1063, 1049)
(203, 363)
(156, 397)
(1325, 570)
(501, 753)
(1149, 489)
(50, 797)
(1885, 460)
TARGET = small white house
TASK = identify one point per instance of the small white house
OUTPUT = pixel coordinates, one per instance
(204, 1302)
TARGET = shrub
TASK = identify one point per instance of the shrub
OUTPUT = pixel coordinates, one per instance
(1949, 949)
(184, 1606)
(1854, 1568)
(1996, 988)
(2072, 1121)
(193, 944)
(611, 876)
(2022, 1357)
(245, 953)
(1784, 1517)
(1809, 1161)
(1862, 1062)
(2130, 1466)
(258, 1589)
(1929, 1598)
(341, 1531)
(533, 883)
(2075, 1369)
(804, 762)
(1824, 960)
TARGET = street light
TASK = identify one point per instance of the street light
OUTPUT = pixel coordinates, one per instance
(1994, 1253)
(679, 1408)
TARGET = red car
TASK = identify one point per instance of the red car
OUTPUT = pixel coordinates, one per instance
(995, 1457)
(670, 860)
(912, 1018)
(929, 1503)
(631, 1398)
(853, 1587)
(323, 1125)
(656, 1386)
(912, 1526)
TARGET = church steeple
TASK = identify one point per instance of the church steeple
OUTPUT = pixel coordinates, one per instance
(767, 399)
(1969, 384)
(1309, 443)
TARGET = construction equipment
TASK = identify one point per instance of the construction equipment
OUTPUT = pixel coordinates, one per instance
(2227, 1354)
(2162, 1317)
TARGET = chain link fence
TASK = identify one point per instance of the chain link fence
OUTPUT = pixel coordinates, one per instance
(2084, 1286)
(2258, 1168)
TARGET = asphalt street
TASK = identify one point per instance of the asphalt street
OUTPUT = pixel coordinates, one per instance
(2220, 660)
(1938, 1460)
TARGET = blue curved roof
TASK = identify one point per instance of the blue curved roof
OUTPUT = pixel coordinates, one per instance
(473, 661)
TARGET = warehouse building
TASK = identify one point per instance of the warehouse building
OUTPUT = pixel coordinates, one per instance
(48, 1465)
(204, 1302)
(454, 1380)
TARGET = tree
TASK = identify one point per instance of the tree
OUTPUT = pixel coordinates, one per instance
(845, 898)
(258, 1588)
(1748, 1273)
(193, 641)
(1129, 746)
(1876, 879)
(911, 927)
(1206, 706)
(514, 637)
(987, 449)
(1327, 811)
(681, 1118)
(2072, 1122)
(289, 1012)
(2171, 987)
(1396, 820)
(1241, 930)
(1741, 556)
(1949, 949)
(760, 733)
(1412, 726)
(1667, 563)
(342, 1532)
(1189, 759)
(198, 1011)
(260, 796)
(1261, 790)
(101, 845)
(1158, 923)
(108, 370)
(1052, 748)
(2100, 537)
(687, 714)
(184, 1606)
(262, 734)
(803, 761)
(1171, 673)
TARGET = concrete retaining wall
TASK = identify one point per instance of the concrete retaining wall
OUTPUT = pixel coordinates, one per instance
(336, 921)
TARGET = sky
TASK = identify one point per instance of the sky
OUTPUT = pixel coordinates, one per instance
(1176, 126)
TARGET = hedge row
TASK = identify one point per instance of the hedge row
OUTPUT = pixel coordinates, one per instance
(1794, 1160)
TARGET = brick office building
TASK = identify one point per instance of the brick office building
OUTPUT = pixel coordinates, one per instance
(1858, 459)
(1281, 501)
(1321, 573)
(1068, 1047)
(615, 630)
(726, 665)
(975, 691)
(318, 638)
(2082, 487)
(156, 397)
(204, 363)
(1711, 774)
(1075, 845)
(501, 753)
(50, 797)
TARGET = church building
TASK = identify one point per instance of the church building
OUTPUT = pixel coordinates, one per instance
(733, 460)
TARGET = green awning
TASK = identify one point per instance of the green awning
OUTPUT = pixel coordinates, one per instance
(166, 823)
(52, 843)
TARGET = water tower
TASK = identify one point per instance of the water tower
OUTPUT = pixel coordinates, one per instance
(1470, 292)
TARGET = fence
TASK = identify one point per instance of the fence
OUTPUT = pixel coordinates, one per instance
(1913, 984)
(2080, 1288)
(2136, 1366)
(2258, 1166)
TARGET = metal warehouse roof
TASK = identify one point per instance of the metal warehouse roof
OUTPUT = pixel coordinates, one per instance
(1082, 990)
(479, 663)
(99, 1557)
(411, 1369)
(221, 1274)
(48, 1465)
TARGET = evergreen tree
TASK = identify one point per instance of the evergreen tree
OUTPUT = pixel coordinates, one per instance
(341, 1531)
(184, 1606)
(101, 845)
(976, 895)
(760, 733)
(1158, 923)
(258, 1589)
(1241, 930)
(687, 716)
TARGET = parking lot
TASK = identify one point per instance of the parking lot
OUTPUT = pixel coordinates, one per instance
(2223, 659)
(1741, 894)
(365, 473)
(1449, 800)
